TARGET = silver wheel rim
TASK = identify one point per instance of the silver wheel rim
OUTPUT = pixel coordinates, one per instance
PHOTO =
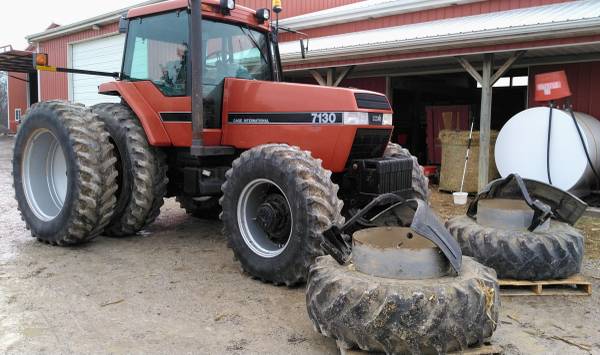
(254, 236)
(44, 175)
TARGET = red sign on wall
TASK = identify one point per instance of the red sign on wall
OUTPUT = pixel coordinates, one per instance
(551, 86)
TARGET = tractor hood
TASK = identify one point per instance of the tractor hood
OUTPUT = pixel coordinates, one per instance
(302, 104)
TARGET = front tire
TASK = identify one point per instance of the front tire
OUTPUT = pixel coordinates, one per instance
(277, 200)
(142, 169)
(64, 173)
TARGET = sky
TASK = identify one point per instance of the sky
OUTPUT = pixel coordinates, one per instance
(21, 17)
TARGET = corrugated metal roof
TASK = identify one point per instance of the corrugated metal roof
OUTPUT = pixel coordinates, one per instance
(549, 21)
(366, 9)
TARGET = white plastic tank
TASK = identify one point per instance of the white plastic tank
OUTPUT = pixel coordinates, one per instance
(522, 143)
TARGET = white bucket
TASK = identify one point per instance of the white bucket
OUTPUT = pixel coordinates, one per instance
(460, 198)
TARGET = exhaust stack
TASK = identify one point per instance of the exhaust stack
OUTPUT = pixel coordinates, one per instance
(198, 147)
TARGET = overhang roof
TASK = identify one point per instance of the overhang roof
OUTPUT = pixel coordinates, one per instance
(84, 24)
(561, 20)
(15, 61)
(364, 10)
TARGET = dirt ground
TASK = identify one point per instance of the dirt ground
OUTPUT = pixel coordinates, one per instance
(175, 288)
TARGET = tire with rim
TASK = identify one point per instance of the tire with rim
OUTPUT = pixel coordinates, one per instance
(554, 254)
(142, 182)
(277, 200)
(64, 173)
(200, 207)
(430, 316)
(420, 182)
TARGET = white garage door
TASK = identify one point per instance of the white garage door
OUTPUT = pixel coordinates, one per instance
(104, 54)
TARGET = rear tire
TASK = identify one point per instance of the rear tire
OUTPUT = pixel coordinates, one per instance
(208, 208)
(142, 170)
(420, 182)
(392, 316)
(553, 254)
(64, 173)
(277, 200)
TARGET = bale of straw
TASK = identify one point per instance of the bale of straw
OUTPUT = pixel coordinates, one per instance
(454, 148)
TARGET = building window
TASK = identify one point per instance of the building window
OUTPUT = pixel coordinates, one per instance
(18, 115)
(520, 80)
(507, 81)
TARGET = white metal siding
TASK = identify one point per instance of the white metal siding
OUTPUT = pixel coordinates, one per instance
(103, 54)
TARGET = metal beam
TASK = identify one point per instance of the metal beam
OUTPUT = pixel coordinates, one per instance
(504, 68)
(343, 75)
(318, 77)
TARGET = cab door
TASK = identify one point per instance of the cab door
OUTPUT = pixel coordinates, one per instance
(156, 62)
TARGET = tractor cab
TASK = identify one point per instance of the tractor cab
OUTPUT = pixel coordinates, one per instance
(158, 49)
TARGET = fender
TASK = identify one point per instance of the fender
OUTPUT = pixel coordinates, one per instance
(150, 119)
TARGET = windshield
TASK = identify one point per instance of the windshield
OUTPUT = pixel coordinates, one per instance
(157, 50)
(234, 51)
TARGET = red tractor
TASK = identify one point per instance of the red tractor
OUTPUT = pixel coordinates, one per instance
(205, 117)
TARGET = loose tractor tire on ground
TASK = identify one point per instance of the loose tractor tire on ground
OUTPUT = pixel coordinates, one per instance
(205, 117)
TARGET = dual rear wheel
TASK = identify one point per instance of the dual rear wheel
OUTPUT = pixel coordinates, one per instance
(79, 172)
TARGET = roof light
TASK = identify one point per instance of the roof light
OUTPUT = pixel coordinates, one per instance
(277, 6)
(41, 59)
(227, 6)
(263, 15)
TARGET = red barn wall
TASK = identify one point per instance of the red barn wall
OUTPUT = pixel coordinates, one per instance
(376, 84)
(584, 81)
(17, 98)
(297, 7)
(55, 85)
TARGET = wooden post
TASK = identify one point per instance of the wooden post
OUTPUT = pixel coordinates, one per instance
(485, 120)
(330, 76)
(343, 75)
(318, 77)
(331, 79)
(487, 80)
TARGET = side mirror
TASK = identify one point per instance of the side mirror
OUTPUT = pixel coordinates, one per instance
(123, 24)
(303, 47)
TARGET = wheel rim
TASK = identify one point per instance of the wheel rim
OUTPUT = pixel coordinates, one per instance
(44, 175)
(265, 218)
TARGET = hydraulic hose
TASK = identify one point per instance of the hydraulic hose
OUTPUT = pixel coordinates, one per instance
(587, 154)
(548, 143)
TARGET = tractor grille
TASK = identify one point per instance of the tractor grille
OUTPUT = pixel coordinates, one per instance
(369, 143)
(372, 101)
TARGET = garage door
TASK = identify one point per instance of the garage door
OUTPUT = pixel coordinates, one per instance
(102, 54)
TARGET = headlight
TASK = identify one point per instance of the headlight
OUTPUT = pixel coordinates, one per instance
(357, 118)
(263, 15)
(388, 119)
(226, 6)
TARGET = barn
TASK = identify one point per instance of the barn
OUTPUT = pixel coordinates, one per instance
(436, 60)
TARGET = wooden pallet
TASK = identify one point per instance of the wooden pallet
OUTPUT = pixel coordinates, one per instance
(480, 350)
(573, 286)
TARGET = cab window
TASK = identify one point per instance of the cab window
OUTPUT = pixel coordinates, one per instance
(157, 50)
